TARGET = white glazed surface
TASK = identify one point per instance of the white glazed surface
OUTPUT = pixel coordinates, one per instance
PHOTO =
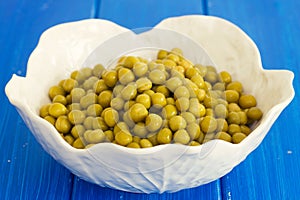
(166, 168)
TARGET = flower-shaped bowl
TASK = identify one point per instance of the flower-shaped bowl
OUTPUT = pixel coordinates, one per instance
(165, 168)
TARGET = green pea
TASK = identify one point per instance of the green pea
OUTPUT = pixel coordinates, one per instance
(162, 54)
(77, 130)
(157, 76)
(50, 119)
(86, 72)
(173, 83)
(235, 85)
(133, 145)
(164, 136)
(94, 110)
(238, 137)
(201, 69)
(44, 110)
(125, 76)
(140, 69)
(69, 84)
(130, 61)
(211, 77)
(117, 90)
(181, 91)
(109, 135)
(233, 118)
(254, 113)
(76, 117)
(219, 86)
(247, 101)
(117, 103)
(173, 57)
(168, 63)
(140, 130)
(143, 84)
(62, 124)
(69, 139)
(60, 99)
(57, 109)
(243, 117)
(78, 144)
(209, 101)
(88, 122)
(123, 138)
(111, 117)
(231, 96)
(169, 111)
(225, 77)
(189, 117)
(138, 112)
(234, 107)
(221, 111)
(99, 86)
(145, 143)
(56, 90)
(194, 143)
(153, 122)
(245, 129)
(158, 99)
(193, 130)
(190, 72)
(222, 125)
(223, 136)
(110, 78)
(182, 104)
(144, 99)
(199, 81)
(196, 108)
(181, 136)
(164, 90)
(129, 92)
(177, 122)
(98, 70)
(88, 99)
(136, 139)
(89, 83)
(77, 94)
(128, 104)
(120, 126)
(104, 98)
(152, 137)
(94, 136)
(128, 120)
(208, 124)
(234, 128)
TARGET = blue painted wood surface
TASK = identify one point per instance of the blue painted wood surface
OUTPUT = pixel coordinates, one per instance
(272, 171)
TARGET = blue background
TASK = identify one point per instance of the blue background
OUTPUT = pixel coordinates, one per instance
(272, 171)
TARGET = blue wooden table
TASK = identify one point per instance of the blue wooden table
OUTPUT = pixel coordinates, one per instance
(272, 171)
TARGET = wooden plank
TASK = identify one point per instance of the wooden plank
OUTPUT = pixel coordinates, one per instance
(92, 191)
(272, 170)
(27, 171)
(135, 14)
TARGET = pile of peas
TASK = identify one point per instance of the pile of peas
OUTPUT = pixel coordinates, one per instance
(142, 103)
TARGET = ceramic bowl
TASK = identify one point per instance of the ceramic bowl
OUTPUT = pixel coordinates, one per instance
(165, 168)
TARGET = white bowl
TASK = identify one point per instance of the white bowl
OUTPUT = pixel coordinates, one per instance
(165, 168)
